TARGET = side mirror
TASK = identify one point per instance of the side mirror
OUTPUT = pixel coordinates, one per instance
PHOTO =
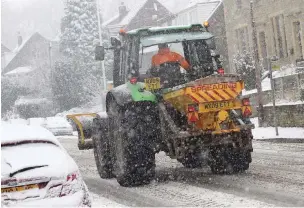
(99, 53)
(115, 42)
(217, 56)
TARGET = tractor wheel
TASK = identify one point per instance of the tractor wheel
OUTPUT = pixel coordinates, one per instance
(229, 161)
(219, 163)
(241, 161)
(135, 130)
(101, 148)
(191, 160)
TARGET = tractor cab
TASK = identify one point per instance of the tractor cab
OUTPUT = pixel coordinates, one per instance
(134, 50)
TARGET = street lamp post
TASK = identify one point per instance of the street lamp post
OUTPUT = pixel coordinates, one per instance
(257, 67)
(273, 94)
(101, 43)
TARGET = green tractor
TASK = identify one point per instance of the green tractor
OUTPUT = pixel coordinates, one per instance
(198, 117)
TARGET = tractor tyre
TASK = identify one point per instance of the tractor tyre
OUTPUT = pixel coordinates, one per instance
(220, 161)
(101, 148)
(135, 131)
(228, 160)
(241, 162)
(191, 160)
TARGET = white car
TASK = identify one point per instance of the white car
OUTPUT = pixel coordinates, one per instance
(17, 121)
(36, 121)
(58, 126)
(37, 171)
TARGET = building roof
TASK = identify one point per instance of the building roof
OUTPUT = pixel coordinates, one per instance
(110, 21)
(130, 15)
(208, 7)
(4, 49)
(20, 70)
(17, 50)
(6, 58)
(117, 20)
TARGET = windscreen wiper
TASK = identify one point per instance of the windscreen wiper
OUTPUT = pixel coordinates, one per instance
(26, 169)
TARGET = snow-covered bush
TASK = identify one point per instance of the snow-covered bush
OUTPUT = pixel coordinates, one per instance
(9, 94)
(244, 65)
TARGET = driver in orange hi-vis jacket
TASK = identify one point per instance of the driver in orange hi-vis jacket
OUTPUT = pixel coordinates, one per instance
(164, 55)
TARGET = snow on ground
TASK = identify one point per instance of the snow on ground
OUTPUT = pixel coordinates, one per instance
(185, 195)
(99, 201)
(269, 132)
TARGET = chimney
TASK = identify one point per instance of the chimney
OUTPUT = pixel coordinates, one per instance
(122, 10)
(19, 39)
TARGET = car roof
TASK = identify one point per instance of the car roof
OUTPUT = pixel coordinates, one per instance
(14, 133)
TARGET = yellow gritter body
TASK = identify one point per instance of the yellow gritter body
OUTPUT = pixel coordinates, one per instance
(213, 97)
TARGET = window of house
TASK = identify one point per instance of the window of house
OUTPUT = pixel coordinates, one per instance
(263, 44)
(301, 81)
(238, 4)
(290, 83)
(298, 39)
(280, 42)
(242, 38)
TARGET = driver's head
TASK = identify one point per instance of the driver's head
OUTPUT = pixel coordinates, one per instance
(163, 45)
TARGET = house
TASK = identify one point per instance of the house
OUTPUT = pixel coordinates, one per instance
(199, 11)
(279, 26)
(6, 56)
(4, 50)
(34, 51)
(144, 13)
(30, 66)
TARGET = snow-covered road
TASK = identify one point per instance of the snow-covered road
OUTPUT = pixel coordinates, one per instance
(275, 178)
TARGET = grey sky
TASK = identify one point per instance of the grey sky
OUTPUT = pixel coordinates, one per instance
(29, 16)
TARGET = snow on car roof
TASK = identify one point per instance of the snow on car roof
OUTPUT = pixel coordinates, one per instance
(12, 133)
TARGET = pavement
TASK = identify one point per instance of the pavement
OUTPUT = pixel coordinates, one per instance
(286, 135)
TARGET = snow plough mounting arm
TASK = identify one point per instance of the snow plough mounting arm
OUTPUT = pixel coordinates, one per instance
(83, 122)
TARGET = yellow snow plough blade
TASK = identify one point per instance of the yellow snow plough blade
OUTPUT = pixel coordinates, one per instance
(83, 123)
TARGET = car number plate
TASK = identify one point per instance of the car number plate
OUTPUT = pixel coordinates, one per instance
(152, 83)
(19, 188)
(218, 105)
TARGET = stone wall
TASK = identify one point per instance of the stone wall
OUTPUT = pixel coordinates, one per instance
(287, 115)
(278, 24)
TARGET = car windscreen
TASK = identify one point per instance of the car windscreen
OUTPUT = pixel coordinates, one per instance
(26, 141)
(146, 54)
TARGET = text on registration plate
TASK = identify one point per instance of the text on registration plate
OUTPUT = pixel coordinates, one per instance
(18, 188)
(218, 105)
(152, 83)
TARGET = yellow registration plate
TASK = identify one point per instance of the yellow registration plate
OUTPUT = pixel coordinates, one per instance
(152, 83)
(19, 188)
(213, 106)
